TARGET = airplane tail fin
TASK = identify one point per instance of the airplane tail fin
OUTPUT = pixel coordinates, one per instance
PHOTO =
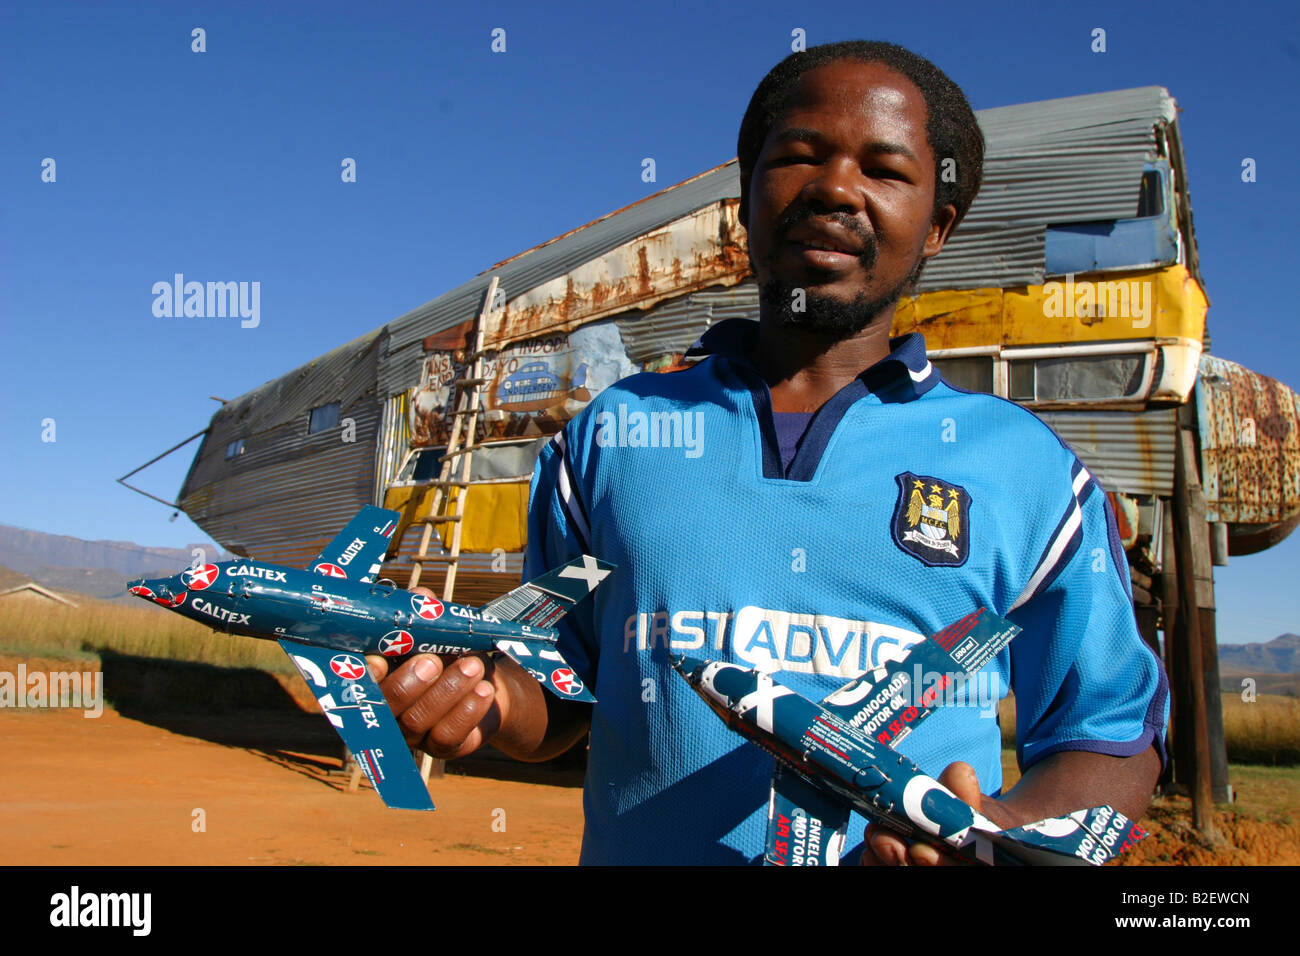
(544, 600)
(885, 706)
(1085, 836)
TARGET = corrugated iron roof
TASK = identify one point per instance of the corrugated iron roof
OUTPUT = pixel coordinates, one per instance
(670, 327)
(400, 368)
(287, 486)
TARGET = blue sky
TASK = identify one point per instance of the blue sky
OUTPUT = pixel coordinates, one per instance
(225, 165)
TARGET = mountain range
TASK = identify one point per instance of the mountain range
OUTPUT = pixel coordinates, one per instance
(97, 568)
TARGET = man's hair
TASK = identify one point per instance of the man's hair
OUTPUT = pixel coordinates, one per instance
(950, 123)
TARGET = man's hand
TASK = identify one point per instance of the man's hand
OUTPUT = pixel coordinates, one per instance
(1059, 784)
(884, 847)
(451, 706)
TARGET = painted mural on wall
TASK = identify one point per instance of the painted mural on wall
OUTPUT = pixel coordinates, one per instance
(532, 388)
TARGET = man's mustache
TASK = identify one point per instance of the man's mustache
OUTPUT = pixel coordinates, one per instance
(869, 249)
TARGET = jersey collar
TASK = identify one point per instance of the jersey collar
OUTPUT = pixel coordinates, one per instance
(902, 375)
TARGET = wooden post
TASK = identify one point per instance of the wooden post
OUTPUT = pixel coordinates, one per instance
(1191, 534)
(1180, 762)
(1203, 554)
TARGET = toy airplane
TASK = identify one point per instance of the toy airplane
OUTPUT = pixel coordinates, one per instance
(837, 756)
(328, 617)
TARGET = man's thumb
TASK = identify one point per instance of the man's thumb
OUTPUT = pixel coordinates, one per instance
(961, 779)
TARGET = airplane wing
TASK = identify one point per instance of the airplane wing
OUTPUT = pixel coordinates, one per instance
(356, 708)
(357, 551)
(886, 706)
(1085, 836)
(547, 666)
(806, 825)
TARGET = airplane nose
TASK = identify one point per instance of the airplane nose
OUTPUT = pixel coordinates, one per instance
(729, 681)
(162, 591)
(688, 667)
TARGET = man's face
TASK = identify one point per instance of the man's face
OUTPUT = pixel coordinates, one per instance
(847, 165)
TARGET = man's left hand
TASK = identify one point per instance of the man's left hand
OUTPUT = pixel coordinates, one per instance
(885, 847)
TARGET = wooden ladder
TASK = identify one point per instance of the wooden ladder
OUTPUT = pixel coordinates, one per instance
(461, 445)
(456, 461)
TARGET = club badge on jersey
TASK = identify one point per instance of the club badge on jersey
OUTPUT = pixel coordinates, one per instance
(932, 520)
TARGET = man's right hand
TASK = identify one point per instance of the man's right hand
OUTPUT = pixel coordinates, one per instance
(451, 706)
(448, 706)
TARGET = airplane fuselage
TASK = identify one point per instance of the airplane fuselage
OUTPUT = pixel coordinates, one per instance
(821, 746)
(273, 602)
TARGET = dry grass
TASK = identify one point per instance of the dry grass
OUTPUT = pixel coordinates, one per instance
(1263, 731)
(54, 630)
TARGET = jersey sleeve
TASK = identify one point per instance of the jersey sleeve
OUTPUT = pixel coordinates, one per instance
(1083, 677)
(558, 531)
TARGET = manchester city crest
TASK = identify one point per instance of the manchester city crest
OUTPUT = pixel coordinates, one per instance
(932, 520)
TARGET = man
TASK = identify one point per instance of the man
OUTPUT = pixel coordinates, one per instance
(793, 537)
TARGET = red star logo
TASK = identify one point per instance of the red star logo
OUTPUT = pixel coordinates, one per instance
(426, 607)
(200, 578)
(396, 643)
(566, 682)
(347, 666)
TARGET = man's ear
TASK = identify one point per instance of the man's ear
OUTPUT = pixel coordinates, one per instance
(743, 212)
(940, 229)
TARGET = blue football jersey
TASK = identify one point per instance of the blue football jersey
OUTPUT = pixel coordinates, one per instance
(908, 504)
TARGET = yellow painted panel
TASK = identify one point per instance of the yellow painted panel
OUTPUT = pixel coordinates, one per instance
(1156, 303)
(496, 515)
(953, 320)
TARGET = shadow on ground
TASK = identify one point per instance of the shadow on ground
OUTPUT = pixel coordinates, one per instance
(256, 711)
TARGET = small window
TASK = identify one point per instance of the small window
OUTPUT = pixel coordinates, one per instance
(973, 373)
(235, 449)
(1151, 194)
(323, 417)
(1077, 378)
(1022, 381)
(424, 465)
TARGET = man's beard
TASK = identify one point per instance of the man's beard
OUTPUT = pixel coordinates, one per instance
(827, 315)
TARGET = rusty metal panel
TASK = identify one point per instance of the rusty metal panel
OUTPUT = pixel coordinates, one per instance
(400, 367)
(698, 250)
(1250, 446)
(1128, 452)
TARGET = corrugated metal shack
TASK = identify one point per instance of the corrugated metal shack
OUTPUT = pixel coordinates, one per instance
(1089, 186)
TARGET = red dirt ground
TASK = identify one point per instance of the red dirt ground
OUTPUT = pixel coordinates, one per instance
(123, 788)
(113, 790)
